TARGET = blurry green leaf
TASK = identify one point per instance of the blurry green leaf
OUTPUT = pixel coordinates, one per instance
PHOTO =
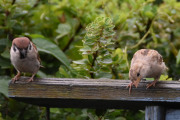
(6, 54)
(120, 118)
(46, 46)
(41, 74)
(103, 75)
(149, 14)
(85, 48)
(90, 58)
(149, 10)
(83, 61)
(3, 41)
(73, 53)
(118, 52)
(5, 63)
(151, 79)
(165, 78)
(4, 85)
(177, 32)
(63, 72)
(55, 110)
(89, 42)
(105, 69)
(63, 29)
(116, 58)
(178, 58)
(106, 60)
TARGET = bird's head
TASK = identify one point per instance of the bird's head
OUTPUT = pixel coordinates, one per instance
(21, 46)
(137, 72)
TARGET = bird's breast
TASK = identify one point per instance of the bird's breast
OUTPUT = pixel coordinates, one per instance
(27, 65)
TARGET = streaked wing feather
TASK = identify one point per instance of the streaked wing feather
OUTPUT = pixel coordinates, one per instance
(38, 57)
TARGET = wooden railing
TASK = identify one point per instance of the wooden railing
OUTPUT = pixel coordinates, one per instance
(160, 102)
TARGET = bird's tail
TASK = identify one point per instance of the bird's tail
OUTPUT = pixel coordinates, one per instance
(42, 66)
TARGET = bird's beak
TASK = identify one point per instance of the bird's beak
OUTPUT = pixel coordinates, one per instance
(23, 53)
(137, 82)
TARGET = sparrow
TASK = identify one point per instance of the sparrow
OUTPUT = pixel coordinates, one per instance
(24, 57)
(146, 63)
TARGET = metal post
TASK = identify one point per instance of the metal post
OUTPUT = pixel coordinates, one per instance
(155, 113)
(47, 113)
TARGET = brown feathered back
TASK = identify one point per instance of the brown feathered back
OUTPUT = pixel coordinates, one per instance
(147, 55)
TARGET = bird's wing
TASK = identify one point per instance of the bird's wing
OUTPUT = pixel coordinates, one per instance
(154, 56)
(38, 57)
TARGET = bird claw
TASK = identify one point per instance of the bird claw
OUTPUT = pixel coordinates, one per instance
(30, 80)
(151, 84)
(130, 87)
(16, 77)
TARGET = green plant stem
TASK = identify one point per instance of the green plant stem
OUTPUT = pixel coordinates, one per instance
(148, 29)
(141, 41)
(173, 48)
(13, 2)
(36, 4)
(92, 65)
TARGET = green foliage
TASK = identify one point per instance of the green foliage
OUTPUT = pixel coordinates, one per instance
(50, 48)
(84, 114)
(178, 58)
(100, 57)
(87, 39)
(13, 110)
(165, 78)
(4, 85)
(96, 50)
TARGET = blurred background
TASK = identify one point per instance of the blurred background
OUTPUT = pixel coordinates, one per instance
(86, 39)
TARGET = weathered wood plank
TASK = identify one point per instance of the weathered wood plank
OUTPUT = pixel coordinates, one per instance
(94, 93)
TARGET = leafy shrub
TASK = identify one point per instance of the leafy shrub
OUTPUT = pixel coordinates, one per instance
(100, 36)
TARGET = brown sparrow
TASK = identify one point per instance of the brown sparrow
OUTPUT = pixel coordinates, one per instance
(24, 57)
(146, 63)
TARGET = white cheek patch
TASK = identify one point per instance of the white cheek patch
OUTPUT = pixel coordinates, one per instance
(14, 52)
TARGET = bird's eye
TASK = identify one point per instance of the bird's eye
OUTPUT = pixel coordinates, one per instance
(14, 48)
(138, 74)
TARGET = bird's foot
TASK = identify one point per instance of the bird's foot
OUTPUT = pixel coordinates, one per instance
(130, 87)
(151, 84)
(16, 77)
(31, 79)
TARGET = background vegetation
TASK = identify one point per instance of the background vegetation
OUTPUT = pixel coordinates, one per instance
(86, 39)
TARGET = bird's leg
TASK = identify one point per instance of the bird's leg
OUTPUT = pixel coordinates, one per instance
(130, 87)
(152, 84)
(16, 77)
(31, 79)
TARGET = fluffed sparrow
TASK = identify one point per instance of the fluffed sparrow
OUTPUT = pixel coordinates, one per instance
(146, 63)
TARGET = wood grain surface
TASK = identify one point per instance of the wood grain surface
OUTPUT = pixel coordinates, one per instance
(94, 93)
